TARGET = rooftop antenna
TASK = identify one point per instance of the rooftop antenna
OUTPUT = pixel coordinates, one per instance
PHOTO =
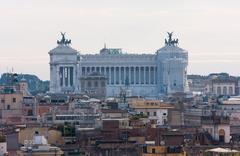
(105, 47)
(22, 76)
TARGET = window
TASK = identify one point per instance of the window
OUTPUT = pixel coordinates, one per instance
(8, 107)
(219, 91)
(96, 84)
(98, 70)
(89, 84)
(224, 90)
(88, 70)
(148, 113)
(2, 101)
(153, 150)
(82, 85)
(164, 121)
(103, 84)
(30, 113)
(14, 100)
(154, 113)
(174, 84)
(83, 70)
(93, 69)
(210, 130)
(230, 90)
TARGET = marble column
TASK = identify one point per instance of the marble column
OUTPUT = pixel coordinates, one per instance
(144, 75)
(134, 74)
(124, 77)
(115, 75)
(74, 75)
(129, 75)
(57, 84)
(68, 68)
(149, 74)
(155, 76)
(64, 77)
(139, 72)
(104, 71)
(119, 75)
(110, 75)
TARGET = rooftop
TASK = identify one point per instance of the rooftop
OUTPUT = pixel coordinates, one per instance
(215, 120)
(113, 111)
(110, 51)
(63, 49)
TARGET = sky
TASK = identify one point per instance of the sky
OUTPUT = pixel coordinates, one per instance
(208, 29)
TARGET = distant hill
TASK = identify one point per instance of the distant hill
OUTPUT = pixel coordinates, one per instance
(35, 85)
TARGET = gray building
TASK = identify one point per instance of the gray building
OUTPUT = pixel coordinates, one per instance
(162, 72)
(94, 85)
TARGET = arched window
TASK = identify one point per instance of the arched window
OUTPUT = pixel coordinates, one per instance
(221, 135)
(221, 132)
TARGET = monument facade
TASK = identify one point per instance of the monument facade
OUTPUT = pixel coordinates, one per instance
(162, 72)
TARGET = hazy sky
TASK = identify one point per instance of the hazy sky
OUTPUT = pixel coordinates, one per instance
(208, 29)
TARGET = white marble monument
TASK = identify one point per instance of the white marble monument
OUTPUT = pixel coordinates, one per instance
(148, 75)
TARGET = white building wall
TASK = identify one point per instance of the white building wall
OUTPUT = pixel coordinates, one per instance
(3, 148)
(122, 67)
(226, 128)
(214, 131)
(66, 57)
(221, 86)
(172, 64)
(142, 71)
(174, 76)
(162, 115)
